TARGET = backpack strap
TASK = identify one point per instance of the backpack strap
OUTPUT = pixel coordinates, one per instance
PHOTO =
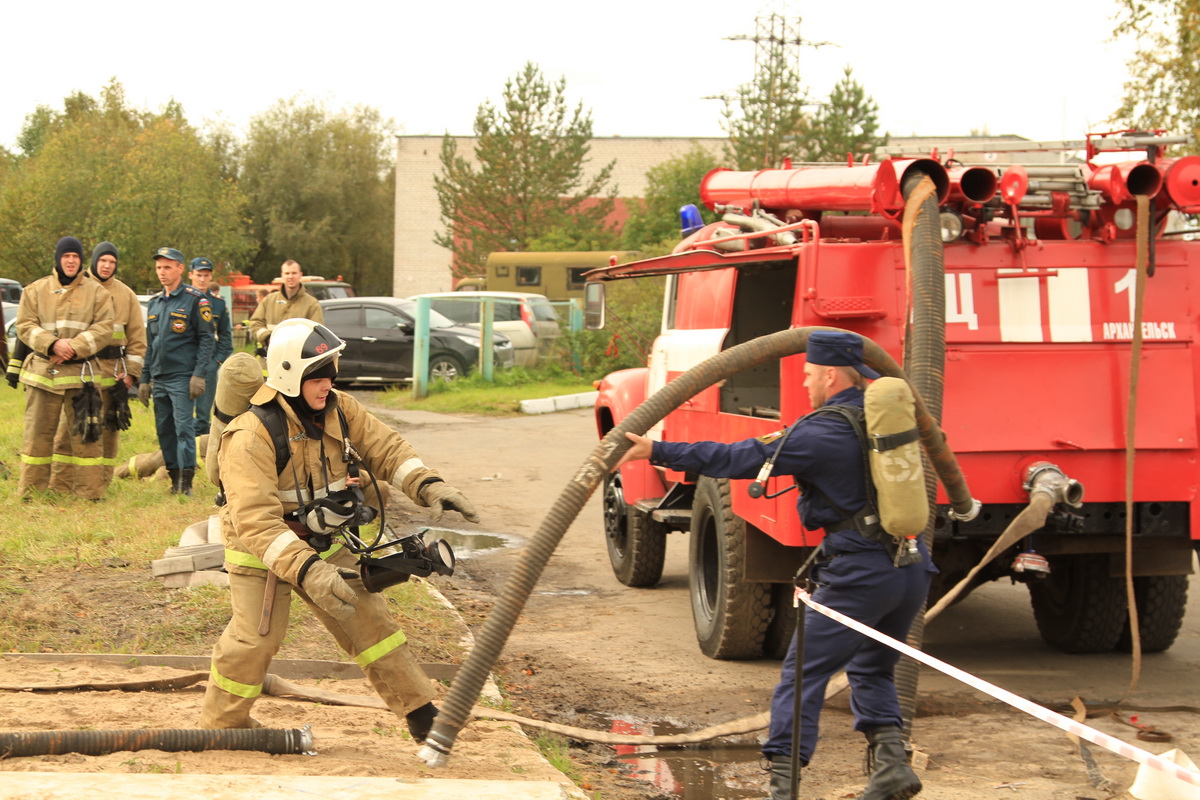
(272, 417)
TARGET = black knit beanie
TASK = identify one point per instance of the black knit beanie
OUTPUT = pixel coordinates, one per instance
(104, 248)
(67, 244)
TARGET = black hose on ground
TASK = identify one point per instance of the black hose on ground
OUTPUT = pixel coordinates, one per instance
(465, 689)
(97, 743)
(925, 364)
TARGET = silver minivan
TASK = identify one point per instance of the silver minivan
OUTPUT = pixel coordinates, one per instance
(529, 320)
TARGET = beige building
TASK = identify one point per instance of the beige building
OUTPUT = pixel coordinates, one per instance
(422, 266)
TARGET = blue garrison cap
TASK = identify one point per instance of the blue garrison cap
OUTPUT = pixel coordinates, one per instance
(169, 252)
(838, 349)
(201, 263)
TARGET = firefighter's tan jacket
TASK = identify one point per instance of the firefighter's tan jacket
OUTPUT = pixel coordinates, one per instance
(256, 536)
(275, 308)
(81, 312)
(129, 329)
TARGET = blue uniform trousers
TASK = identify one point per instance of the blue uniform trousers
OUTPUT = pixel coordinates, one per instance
(866, 587)
(173, 421)
(204, 402)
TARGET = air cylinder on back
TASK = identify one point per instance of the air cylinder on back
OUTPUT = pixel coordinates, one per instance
(237, 381)
(895, 457)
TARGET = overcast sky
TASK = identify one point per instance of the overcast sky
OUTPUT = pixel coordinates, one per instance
(1037, 68)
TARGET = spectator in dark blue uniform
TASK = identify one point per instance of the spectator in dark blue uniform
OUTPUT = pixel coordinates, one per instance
(855, 575)
(179, 350)
(201, 278)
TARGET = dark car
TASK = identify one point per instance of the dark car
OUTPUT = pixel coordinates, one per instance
(378, 332)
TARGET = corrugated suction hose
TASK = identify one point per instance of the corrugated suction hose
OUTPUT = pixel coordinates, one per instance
(465, 689)
(97, 743)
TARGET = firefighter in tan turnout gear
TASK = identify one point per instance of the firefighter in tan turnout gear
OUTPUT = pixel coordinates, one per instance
(65, 319)
(269, 542)
(289, 301)
(119, 363)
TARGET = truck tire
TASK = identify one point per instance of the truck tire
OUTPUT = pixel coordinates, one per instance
(637, 546)
(1161, 603)
(782, 627)
(730, 613)
(1079, 607)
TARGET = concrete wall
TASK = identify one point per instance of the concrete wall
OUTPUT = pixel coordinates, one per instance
(422, 266)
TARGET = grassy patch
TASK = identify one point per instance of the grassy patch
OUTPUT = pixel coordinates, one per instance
(557, 752)
(501, 398)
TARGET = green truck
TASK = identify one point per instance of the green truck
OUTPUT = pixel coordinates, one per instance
(558, 276)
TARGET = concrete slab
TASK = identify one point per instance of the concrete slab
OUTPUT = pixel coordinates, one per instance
(102, 786)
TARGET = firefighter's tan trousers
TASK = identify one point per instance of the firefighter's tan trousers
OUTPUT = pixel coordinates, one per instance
(64, 476)
(43, 412)
(241, 656)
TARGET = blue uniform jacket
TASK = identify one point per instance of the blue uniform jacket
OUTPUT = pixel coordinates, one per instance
(179, 334)
(222, 326)
(822, 451)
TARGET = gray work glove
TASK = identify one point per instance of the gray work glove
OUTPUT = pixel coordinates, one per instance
(143, 393)
(441, 496)
(329, 590)
(196, 387)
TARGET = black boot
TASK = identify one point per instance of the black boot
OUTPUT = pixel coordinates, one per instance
(420, 721)
(780, 768)
(185, 481)
(891, 776)
(173, 474)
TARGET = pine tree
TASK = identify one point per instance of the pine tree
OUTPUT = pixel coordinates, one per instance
(846, 124)
(529, 180)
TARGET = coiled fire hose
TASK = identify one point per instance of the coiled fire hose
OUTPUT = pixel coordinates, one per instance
(466, 687)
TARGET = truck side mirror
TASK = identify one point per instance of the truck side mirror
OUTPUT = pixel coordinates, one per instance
(593, 306)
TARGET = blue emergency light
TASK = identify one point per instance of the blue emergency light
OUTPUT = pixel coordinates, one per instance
(690, 220)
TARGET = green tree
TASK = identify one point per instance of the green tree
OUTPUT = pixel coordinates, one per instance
(1163, 90)
(321, 187)
(654, 220)
(767, 122)
(100, 170)
(527, 181)
(847, 123)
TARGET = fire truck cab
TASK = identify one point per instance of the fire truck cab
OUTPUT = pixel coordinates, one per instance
(1041, 301)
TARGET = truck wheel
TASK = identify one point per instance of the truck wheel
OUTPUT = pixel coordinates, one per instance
(730, 613)
(1079, 607)
(1161, 602)
(782, 628)
(637, 547)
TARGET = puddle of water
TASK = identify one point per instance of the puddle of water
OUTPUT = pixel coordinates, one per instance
(469, 543)
(715, 770)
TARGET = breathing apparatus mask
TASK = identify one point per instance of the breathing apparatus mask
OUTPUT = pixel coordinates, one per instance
(387, 560)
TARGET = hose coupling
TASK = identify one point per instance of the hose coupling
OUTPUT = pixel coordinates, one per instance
(1046, 478)
(433, 753)
(968, 515)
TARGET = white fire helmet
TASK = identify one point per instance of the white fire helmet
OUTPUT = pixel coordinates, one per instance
(299, 347)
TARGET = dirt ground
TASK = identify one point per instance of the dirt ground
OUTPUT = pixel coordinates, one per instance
(590, 652)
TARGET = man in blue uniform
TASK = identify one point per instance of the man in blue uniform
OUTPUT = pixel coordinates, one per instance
(855, 575)
(201, 278)
(179, 350)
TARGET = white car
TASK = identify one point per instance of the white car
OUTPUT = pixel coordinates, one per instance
(527, 319)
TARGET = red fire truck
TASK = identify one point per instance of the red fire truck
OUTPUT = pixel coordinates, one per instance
(1040, 286)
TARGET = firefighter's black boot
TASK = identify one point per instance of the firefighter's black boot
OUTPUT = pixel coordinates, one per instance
(185, 481)
(891, 776)
(780, 768)
(173, 474)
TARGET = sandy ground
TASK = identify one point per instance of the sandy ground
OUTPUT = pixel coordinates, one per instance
(588, 651)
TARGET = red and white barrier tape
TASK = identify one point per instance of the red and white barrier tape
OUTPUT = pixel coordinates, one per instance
(1092, 735)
